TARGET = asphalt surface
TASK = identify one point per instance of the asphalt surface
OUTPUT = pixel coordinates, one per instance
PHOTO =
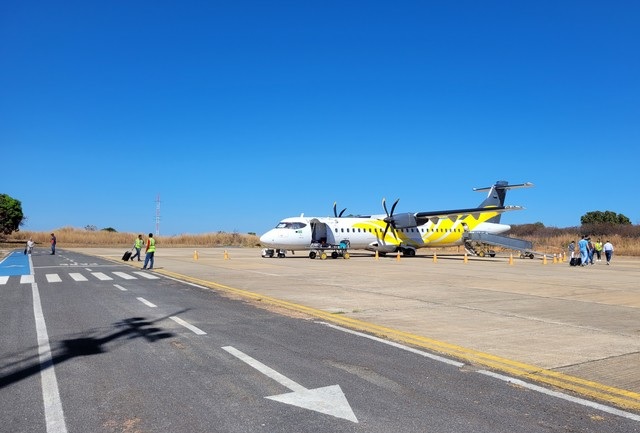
(575, 329)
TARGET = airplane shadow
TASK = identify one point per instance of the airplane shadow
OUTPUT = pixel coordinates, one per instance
(127, 329)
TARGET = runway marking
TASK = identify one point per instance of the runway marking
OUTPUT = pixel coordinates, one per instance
(101, 276)
(53, 413)
(188, 325)
(120, 287)
(26, 279)
(53, 278)
(77, 277)
(4, 279)
(124, 275)
(147, 275)
(562, 396)
(329, 400)
(147, 303)
(398, 345)
(498, 376)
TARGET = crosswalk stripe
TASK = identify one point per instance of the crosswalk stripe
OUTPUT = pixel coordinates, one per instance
(53, 278)
(77, 277)
(125, 275)
(147, 275)
(101, 276)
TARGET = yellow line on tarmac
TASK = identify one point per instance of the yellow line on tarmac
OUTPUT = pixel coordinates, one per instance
(619, 397)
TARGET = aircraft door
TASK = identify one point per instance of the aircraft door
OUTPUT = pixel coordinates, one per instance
(319, 232)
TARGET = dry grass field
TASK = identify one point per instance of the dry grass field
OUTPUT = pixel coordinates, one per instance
(626, 239)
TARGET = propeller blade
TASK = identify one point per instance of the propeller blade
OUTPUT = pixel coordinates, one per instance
(342, 211)
(335, 213)
(394, 206)
(384, 205)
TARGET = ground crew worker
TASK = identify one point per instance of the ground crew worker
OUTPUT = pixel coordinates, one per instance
(151, 250)
(598, 247)
(138, 246)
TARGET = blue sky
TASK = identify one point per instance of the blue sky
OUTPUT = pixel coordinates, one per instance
(238, 114)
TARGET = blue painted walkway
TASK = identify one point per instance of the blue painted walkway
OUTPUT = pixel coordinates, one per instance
(16, 263)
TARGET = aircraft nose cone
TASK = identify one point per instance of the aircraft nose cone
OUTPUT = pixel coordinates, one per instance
(265, 238)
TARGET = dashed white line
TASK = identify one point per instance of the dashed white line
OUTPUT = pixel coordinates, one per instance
(26, 279)
(147, 303)
(3, 280)
(120, 287)
(187, 325)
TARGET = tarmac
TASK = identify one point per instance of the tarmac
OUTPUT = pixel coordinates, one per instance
(575, 329)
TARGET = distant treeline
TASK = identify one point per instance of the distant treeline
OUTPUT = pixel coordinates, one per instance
(624, 237)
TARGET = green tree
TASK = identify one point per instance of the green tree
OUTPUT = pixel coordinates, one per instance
(11, 217)
(606, 217)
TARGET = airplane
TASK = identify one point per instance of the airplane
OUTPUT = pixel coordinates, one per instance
(389, 232)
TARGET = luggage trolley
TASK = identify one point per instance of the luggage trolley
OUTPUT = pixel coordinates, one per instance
(337, 250)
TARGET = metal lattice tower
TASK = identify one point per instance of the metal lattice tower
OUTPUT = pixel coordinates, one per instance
(158, 215)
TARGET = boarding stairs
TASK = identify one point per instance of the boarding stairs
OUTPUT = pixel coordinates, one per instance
(475, 243)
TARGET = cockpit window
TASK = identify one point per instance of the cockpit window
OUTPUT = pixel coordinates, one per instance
(291, 225)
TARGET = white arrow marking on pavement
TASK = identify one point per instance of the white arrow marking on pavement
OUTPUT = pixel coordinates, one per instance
(329, 400)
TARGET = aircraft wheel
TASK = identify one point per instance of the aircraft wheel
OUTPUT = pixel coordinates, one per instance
(481, 254)
(323, 256)
(345, 255)
(334, 255)
(312, 255)
(531, 255)
(522, 256)
(492, 254)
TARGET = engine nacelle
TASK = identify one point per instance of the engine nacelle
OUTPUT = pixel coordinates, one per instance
(403, 221)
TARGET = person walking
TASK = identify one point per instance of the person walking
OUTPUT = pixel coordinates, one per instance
(584, 250)
(591, 249)
(572, 249)
(137, 245)
(30, 245)
(150, 252)
(598, 246)
(53, 244)
(608, 251)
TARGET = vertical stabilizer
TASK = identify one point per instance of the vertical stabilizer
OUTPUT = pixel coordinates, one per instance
(497, 194)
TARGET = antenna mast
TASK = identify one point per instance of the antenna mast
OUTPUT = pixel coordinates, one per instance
(158, 215)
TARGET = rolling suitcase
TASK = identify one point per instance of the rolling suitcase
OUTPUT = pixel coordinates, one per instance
(126, 256)
(576, 261)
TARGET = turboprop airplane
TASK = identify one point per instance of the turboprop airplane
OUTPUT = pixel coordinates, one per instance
(389, 232)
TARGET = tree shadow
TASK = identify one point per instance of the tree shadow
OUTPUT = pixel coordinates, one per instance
(127, 329)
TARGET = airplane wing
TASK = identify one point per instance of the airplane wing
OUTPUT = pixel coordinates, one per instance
(457, 213)
(408, 220)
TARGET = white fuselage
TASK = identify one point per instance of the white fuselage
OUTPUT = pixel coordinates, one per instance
(301, 233)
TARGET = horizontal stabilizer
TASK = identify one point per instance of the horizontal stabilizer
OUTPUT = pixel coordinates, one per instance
(505, 186)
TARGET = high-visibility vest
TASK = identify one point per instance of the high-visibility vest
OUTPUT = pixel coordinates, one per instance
(138, 243)
(152, 246)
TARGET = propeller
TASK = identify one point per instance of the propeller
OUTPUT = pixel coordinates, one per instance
(389, 219)
(335, 212)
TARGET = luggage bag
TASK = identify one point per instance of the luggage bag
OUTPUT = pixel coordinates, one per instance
(126, 256)
(576, 261)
